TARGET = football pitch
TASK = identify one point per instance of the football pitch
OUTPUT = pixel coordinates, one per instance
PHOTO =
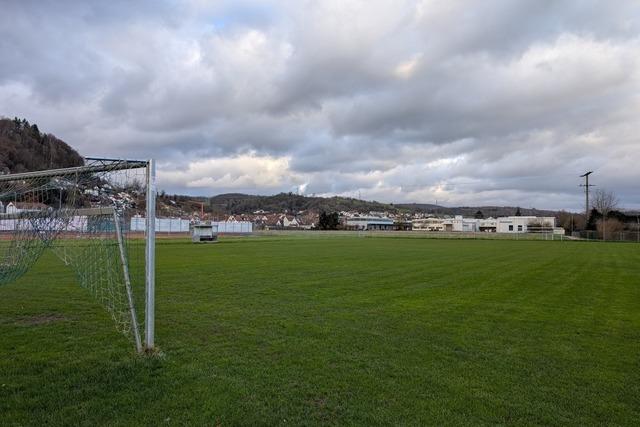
(341, 330)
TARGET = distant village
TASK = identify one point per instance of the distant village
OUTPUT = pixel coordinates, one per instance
(174, 217)
(390, 221)
(351, 220)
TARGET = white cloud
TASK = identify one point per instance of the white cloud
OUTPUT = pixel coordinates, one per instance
(406, 69)
(244, 172)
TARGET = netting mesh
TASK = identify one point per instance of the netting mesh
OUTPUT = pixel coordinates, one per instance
(84, 216)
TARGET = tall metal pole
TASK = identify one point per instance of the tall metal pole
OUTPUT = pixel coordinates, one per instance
(150, 256)
(586, 186)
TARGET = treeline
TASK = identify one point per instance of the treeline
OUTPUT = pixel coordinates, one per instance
(24, 148)
(242, 203)
(475, 211)
(236, 203)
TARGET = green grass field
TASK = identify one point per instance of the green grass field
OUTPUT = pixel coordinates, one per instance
(345, 331)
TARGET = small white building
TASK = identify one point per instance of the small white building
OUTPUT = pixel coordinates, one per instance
(17, 207)
(204, 233)
(12, 208)
(525, 224)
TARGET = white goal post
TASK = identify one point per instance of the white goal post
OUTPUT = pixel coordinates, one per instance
(150, 254)
(84, 214)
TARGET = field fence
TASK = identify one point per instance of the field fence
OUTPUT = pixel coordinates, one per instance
(616, 236)
(412, 234)
(183, 226)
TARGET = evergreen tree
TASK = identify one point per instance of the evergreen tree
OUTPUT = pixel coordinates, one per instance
(328, 221)
(592, 222)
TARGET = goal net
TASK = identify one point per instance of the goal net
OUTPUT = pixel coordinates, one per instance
(83, 215)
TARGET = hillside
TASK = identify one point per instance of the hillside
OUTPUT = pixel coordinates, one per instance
(470, 211)
(236, 203)
(242, 203)
(24, 148)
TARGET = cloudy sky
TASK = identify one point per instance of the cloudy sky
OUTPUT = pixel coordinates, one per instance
(463, 102)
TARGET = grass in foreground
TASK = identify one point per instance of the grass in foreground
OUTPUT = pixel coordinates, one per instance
(338, 331)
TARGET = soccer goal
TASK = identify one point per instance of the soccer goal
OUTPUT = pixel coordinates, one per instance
(83, 215)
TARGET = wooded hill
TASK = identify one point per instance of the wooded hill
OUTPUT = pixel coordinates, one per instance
(236, 203)
(470, 211)
(24, 148)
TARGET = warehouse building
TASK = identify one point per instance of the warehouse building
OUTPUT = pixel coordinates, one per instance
(369, 223)
(525, 224)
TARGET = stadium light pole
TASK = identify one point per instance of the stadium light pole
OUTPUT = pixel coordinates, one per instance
(150, 254)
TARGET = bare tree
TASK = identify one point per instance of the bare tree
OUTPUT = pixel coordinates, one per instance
(604, 202)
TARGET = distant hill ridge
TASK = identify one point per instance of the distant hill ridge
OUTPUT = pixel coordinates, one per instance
(23, 148)
(237, 203)
(470, 211)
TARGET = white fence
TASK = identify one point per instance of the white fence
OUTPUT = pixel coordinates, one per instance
(177, 225)
(163, 225)
(80, 224)
(76, 224)
(243, 227)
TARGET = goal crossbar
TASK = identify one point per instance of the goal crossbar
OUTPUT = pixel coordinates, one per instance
(101, 167)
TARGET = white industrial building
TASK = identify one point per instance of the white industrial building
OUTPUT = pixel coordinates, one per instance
(461, 224)
(369, 223)
(428, 224)
(455, 224)
(525, 224)
(488, 225)
(509, 224)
